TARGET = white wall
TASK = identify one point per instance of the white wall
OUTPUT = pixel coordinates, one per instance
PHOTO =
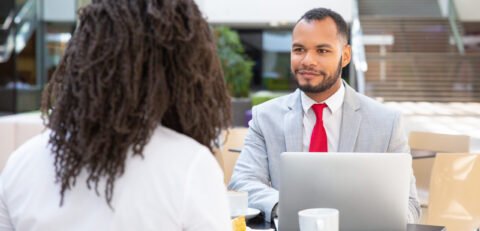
(468, 10)
(258, 11)
(59, 10)
(267, 11)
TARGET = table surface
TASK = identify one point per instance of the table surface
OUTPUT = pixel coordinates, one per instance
(259, 223)
(421, 154)
(416, 153)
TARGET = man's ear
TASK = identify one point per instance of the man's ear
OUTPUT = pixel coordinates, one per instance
(346, 55)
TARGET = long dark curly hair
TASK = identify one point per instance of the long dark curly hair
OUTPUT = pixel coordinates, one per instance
(130, 66)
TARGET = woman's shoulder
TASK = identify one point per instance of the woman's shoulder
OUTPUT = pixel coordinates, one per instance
(31, 151)
(164, 137)
(167, 145)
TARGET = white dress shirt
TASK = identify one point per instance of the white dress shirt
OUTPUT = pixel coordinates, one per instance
(177, 185)
(332, 118)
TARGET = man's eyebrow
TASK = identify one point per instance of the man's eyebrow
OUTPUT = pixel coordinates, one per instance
(324, 45)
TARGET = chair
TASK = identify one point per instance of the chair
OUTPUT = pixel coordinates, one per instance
(455, 192)
(16, 130)
(226, 158)
(433, 142)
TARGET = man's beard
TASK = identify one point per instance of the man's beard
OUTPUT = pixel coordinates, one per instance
(327, 83)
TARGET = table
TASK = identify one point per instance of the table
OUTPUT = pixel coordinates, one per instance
(238, 150)
(416, 153)
(421, 154)
(259, 223)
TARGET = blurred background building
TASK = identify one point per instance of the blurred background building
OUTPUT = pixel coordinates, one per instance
(410, 50)
(33, 37)
(420, 56)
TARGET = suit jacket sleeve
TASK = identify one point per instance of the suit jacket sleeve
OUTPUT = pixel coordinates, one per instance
(399, 144)
(251, 172)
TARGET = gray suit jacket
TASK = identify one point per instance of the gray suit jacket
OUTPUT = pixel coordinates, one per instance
(276, 127)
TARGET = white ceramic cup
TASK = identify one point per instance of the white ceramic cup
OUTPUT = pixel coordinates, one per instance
(238, 203)
(318, 219)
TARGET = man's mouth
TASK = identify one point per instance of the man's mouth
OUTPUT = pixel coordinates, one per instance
(308, 73)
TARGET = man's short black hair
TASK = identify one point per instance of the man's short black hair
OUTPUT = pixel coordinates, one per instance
(323, 13)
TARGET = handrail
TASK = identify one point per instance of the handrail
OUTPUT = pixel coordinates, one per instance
(14, 28)
(452, 18)
(8, 46)
(23, 12)
(358, 49)
(8, 21)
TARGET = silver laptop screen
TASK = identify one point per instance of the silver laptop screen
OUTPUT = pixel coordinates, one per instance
(370, 190)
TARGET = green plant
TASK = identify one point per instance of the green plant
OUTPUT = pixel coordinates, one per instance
(237, 67)
(264, 96)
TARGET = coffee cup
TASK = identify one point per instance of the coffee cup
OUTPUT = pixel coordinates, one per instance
(318, 219)
(238, 203)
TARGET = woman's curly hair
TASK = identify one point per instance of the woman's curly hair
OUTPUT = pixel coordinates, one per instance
(130, 66)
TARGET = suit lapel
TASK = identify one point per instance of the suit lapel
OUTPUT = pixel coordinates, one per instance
(351, 120)
(293, 124)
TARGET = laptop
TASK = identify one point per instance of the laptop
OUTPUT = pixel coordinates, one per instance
(370, 190)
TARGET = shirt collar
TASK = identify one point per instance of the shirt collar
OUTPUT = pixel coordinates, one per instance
(334, 102)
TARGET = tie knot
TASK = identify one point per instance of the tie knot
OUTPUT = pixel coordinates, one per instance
(318, 109)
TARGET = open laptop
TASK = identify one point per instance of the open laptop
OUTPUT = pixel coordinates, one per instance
(370, 190)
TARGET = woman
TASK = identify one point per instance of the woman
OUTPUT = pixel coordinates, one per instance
(132, 112)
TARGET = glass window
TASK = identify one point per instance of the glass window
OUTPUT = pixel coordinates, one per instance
(270, 50)
(276, 60)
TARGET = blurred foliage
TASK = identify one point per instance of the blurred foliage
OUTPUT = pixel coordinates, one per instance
(280, 84)
(264, 96)
(237, 67)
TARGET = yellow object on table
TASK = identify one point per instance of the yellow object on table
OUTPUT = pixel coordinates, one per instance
(239, 224)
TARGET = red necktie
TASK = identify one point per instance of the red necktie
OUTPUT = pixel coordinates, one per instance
(318, 141)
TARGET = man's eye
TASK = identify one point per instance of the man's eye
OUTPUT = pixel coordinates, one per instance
(322, 51)
(297, 50)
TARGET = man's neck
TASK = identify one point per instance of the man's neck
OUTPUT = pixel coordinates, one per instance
(322, 96)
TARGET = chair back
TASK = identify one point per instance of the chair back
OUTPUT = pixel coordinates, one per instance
(432, 142)
(16, 130)
(227, 159)
(439, 142)
(455, 191)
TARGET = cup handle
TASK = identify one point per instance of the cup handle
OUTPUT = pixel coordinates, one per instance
(320, 225)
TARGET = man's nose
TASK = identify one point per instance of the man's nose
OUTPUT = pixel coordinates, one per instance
(309, 59)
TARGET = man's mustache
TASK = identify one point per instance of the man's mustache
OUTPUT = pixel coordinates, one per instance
(310, 71)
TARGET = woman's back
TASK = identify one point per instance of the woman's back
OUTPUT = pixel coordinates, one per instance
(177, 185)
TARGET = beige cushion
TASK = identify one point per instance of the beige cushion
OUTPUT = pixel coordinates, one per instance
(16, 130)
(7, 140)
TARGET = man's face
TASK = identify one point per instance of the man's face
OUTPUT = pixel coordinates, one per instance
(318, 55)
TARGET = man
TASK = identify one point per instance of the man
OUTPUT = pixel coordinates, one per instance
(349, 122)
